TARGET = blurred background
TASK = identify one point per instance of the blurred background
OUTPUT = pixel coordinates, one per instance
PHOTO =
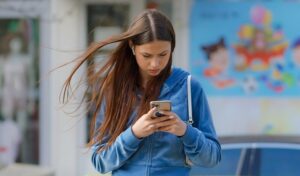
(246, 54)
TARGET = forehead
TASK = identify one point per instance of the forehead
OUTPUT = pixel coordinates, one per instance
(154, 47)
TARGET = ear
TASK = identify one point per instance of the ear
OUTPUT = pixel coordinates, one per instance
(132, 47)
(130, 43)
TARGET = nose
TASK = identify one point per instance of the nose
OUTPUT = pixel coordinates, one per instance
(155, 62)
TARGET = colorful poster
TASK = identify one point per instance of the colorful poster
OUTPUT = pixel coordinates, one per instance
(246, 48)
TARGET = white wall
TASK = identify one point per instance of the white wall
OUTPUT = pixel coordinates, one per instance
(255, 116)
(64, 131)
(181, 24)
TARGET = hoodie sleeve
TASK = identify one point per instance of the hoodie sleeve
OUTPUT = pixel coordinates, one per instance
(118, 153)
(200, 141)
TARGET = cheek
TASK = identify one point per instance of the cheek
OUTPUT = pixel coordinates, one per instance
(140, 61)
(215, 60)
(166, 60)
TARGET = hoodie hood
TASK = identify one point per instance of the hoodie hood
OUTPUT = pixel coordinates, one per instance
(177, 77)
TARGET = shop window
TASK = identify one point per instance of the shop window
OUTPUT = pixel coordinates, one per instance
(19, 102)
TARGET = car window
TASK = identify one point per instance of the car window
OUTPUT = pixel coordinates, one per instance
(227, 166)
(279, 162)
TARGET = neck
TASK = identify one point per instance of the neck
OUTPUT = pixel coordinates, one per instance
(144, 79)
(144, 83)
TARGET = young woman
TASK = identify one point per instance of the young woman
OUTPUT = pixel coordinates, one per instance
(126, 138)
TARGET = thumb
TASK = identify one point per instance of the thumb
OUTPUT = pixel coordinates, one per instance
(151, 112)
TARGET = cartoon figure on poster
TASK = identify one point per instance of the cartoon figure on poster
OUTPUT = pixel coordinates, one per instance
(218, 62)
(259, 45)
(261, 49)
(257, 58)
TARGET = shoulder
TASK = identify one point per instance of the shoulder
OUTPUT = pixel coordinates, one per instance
(195, 84)
(196, 88)
(177, 77)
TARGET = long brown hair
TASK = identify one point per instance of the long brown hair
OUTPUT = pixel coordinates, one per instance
(117, 82)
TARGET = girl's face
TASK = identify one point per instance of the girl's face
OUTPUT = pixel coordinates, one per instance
(219, 59)
(152, 58)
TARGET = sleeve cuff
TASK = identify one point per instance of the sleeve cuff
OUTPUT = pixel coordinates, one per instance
(190, 135)
(129, 138)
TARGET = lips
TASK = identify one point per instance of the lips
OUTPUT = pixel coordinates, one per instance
(154, 72)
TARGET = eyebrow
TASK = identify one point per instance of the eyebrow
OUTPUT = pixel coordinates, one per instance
(152, 54)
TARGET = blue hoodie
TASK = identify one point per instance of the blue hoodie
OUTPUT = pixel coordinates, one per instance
(162, 153)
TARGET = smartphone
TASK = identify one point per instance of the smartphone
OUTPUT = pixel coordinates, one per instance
(163, 105)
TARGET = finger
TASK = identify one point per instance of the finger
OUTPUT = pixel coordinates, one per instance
(151, 112)
(166, 128)
(158, 114)
(153, 127)
(168, 113)
(165, 123)
(160, 119)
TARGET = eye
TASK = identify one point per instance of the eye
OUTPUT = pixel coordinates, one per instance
(146, 56)
(162, 55)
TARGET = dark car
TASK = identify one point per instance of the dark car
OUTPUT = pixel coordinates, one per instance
(256, 156)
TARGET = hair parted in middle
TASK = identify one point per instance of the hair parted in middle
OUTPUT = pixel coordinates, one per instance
(117, 82)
